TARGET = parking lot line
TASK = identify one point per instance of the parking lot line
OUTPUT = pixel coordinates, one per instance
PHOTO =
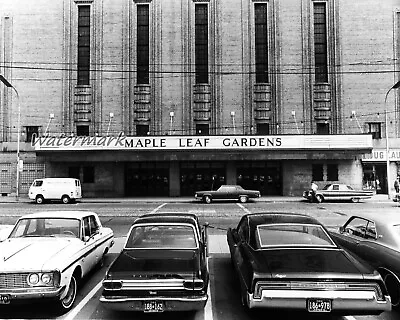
(158, 208)
(72, 314)
(243, 208)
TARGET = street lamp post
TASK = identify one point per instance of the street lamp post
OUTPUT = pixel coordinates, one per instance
(9, 85)
(395, 86)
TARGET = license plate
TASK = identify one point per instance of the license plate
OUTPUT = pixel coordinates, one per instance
(153, 306)
(5, 298)
(319, 305)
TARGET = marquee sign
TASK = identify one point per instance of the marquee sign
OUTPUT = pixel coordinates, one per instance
(378, 155)
(256, 142)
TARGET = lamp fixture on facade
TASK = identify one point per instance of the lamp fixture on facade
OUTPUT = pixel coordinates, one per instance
(233, 121)
(171, 121)
(353, 115)
(295, 121)
(395, 86)
(109, 122)
(19, 163)
(51, 117)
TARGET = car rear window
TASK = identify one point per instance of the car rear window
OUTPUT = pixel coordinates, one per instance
(162, 237)
(292, 235)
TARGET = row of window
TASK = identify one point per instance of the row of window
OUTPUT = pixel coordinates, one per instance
(201, 43)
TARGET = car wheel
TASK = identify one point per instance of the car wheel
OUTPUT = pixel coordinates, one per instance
(393, 286)
(69, 299)
(207, 199)
(243, 199)
(319, 198)
(65, 199)
(39, 199)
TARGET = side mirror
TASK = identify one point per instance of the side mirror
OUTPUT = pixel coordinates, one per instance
(86, 238)
(341, 229)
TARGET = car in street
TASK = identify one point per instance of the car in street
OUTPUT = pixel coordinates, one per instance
(375, 238)
(227, 192)
(338, 192)
(289, 261)
(163, 266)
(47, 254)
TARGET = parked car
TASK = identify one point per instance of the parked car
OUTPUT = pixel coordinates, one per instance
(338, 192)
(289, 261)
(162, 266)
(227, 192)
(375, 238)
(65, 190)
(48, 253)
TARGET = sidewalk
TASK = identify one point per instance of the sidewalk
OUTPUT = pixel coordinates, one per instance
(25, 199)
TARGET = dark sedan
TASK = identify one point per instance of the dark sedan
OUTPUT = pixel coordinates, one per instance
(289, 261)
(376, 239)
(162, 267)
(227, 192)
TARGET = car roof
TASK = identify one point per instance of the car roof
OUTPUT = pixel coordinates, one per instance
(175, 217)
(256, 219)
(381, 217)
(76, 214)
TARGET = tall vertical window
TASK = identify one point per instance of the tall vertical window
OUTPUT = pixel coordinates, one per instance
(143, 44)
(320, 43)
(83, 44)
(261, 43)
(201, 43)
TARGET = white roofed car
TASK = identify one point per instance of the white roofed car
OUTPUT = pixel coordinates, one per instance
(47, 253)
(338, 192)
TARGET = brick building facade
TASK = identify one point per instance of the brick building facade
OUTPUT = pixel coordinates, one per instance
(317, 71)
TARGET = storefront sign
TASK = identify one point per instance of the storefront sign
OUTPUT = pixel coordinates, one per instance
(121, 142)
(378, 155)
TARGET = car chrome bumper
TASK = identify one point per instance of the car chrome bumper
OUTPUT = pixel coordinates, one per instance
(354, 301)
(170, 303)
(33, 293)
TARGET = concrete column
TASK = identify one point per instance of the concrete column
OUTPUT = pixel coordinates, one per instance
(174, 179)
(230, 173)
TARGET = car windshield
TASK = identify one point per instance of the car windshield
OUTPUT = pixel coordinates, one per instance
(168, 236)
(326, 187)
(46, 227)
(293, 235)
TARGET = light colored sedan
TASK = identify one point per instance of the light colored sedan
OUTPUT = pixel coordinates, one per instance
(338, 192)
(48, 253)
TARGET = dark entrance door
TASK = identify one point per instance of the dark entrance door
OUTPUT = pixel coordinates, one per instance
(196, 176)
(146, 179)
(258, 175)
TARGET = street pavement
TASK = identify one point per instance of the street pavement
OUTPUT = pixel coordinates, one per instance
(24, 198)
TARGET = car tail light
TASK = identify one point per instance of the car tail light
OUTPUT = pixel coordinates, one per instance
(112, 285)
(193, 284)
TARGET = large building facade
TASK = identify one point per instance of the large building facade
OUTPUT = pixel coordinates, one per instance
(166, 97)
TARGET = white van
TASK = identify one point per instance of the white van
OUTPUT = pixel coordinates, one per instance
(65, 189)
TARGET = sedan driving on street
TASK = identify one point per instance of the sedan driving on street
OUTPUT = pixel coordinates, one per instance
(338, 192)
(227, 192)
(289, 261)
(162, 267)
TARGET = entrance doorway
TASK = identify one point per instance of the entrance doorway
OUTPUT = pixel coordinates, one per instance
(196, 176)
(146, 179)
(258, 175)
(374, 178)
